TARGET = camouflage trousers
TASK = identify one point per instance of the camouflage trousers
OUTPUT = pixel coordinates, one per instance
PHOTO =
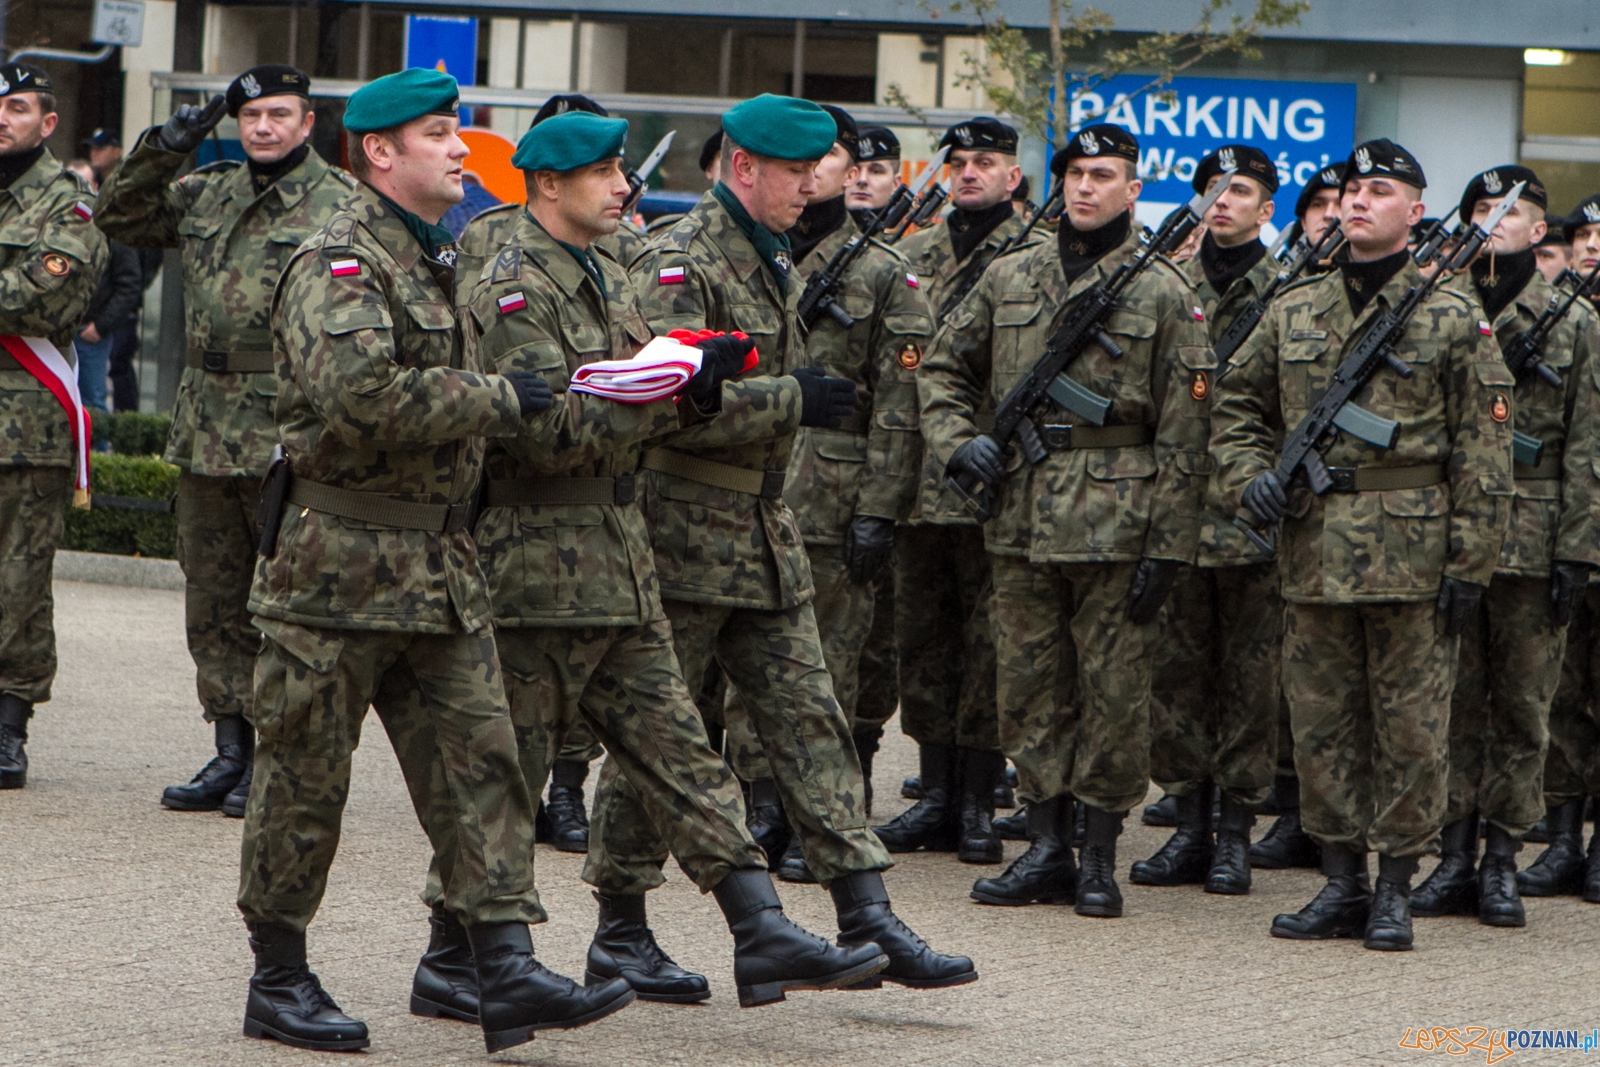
(773, 658)
(217, 543)
(878, 687)
(1572, 764)
(440, 700)
(1500, 712)
(943, 634)
(33, 507)
(1215, 687)
(1074, 681)
(578, 743)
(1369, 697)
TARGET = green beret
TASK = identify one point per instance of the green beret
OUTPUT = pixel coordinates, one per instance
(570, 140)
(781, 127)
(395, 99)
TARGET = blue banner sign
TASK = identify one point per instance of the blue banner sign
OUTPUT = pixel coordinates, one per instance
(443, 43)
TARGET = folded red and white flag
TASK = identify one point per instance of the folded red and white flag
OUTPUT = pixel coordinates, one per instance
(45, 362)
(661, 369)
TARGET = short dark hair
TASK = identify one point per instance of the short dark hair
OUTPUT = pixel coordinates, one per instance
(360, 165)
(47, 103)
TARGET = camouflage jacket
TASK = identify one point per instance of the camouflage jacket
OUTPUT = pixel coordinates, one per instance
(1086, 503)
(51, 257)
(480, 242)
(1389, 546)
(870, 466)
(712, 544)
(1553, 513)
(536, 309)
(933, 261)
(235, 243)
(376, 395)
(1222, 544)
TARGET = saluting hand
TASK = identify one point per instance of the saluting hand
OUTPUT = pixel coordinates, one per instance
(189, 125)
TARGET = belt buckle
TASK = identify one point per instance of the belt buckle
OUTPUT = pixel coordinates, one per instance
(214, 360)
(772, 484)
(456, 516)
(1344, 479)
(623, 491)
(1057, 438)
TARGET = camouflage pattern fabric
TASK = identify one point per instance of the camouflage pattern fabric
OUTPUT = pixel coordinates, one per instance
(217, 542)
(235, 240)
(577, 742)
(33, 506)
(480, 242)
(877, 682)
(1572, 763)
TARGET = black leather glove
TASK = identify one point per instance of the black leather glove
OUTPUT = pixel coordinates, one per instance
(1152, 584)
(189, 125)
(533, 392)
(982, 457)
(868, 544)
(1568, 582)
(721, 358)
(1265, 496)
(1458, 602)
(824, 400)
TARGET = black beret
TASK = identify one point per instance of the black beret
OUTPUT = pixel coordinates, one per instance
(1093, 141)
(1330, 177)
(1248, 160)
(1384, 158)
(1587, 213)
(877, 142)
(847, 136)
(1497, 181)
(270, 79)
(24, 78)
(1555, 230)
(561, 103)
(981, 135)
(710, 149)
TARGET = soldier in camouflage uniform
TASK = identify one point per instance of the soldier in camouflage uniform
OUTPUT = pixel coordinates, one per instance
(372, 593)
(947, 664)
(1381, 573)
(52, 257)
(733, 570)
(1086, 545)
(236, 226)
(1511, 650)
(1215, 692)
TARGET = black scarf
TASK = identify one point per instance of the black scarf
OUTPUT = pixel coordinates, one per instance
(1511, 272)
(969, 228)
(817, 221)
(1363, 280)
(16, 165)
(265, 174)
(1081, 249)
(1224, 266)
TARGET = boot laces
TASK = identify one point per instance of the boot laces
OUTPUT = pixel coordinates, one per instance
(1096, 864)
(212, 769)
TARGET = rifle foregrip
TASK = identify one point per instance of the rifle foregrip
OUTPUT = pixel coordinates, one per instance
(1550, 377)
(840, 315)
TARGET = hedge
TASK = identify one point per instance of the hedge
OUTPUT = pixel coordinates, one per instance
(132, 434)
(129, 530)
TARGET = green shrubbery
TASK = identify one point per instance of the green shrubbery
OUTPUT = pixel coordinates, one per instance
(132, 434)
(126, 531)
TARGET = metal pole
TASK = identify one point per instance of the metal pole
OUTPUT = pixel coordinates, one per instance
(294, 32)
(725, 64)
(798, 79)
(572, 62)
(5, 11)
(364, 41)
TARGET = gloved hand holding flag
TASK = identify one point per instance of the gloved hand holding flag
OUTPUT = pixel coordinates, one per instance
(663, 368)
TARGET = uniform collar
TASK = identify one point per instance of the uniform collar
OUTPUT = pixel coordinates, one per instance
(546, 252)
(386, 227)
(825, 249)
(42, 173)
(1055, 280)
(293, 186)
(721, 229)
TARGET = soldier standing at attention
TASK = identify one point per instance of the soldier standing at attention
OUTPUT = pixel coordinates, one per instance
(1552, 253)
(876, 174)
(1215, 691)
(1086, 545)
(942, 625)
(1381, 573)
(51, 257)
(1512, 647)
(236, 226)
(370, 594)
(733, 570)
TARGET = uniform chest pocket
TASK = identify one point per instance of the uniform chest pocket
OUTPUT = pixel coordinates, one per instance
(429, 343)
(761, 324)
(290, 236)
(1016, 342)
(635, 327)
(1298, 358)
(587, 339)
(200, 227)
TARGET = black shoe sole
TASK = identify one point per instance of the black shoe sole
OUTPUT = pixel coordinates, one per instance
(1226, 889)
(998, 901)
(1098, 911)
(1506, 922)
(432, 1009)
(876, 982)
(754, 996)
(1385, 946)
(186, 805)
(1138, 877)
(499, 1040)
(256, 1028)
(12, 780)
(594, 978)
(1346, 934)
(1571, 888)
(570, 846)
(1452, 908)
(980, 858)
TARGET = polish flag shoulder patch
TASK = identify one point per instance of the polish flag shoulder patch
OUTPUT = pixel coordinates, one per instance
(343, 268)
(512, 302)
(672, 276)
(1199, 315)
(1483, 328)
(911, 281)
(83, 211)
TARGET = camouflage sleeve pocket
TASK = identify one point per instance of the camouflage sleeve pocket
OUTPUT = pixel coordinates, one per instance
(904, 325)
(1009, 314)
(349, 318)
(1494, 372)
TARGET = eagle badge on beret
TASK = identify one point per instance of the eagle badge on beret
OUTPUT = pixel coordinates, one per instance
(1363, 160)
(251, 87)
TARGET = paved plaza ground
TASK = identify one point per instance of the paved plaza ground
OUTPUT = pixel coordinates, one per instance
(120, 944)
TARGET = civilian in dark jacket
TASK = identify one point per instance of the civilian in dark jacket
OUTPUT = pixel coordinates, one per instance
(116, 299)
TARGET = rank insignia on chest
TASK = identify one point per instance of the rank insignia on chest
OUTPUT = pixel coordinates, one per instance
(1199, 315)
(909, 356)
(1483, 328)
(672, 276)
(56, 265)
(83, 211)
(1500, 408)
(344, 268)
(1200, 388)
(512, 302)
(911, 281)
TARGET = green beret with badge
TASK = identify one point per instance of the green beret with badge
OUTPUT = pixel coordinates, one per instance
(570, 140)
(396, 99)
(781, 127)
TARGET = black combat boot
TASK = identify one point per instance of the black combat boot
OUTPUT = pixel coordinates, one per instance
(1045, 874)
(625, 947)
(793, 866)
(1230, 861)
(518, 996)
(1013, 827)
(233, 804)
(979, 772)
(1339, 909)
(1558, 871)
(1186, 856)
(14, 715)
(446, 983)
(1540, 834)
(1005, 792)
(865, 919)
(1163, 812)
(236, 744)
(932, 822)
(1286, 844)
(1498, 901)
(286, 1001)
(1098, 895)
(569, 819)
(767, 822)
(866, 743)
(1389, 921)
(772, 956)
(1591, 871)
(911, 787)
(1452, 887)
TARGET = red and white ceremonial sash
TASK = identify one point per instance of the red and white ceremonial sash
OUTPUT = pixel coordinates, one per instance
(45, 362)
(661, 369)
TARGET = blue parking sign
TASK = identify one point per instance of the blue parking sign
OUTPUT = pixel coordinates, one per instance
(444, 43)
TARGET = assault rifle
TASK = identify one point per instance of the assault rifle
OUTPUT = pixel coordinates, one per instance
(923, 210)
(1084, 323)
(1288, 243)
(1250, 317)
(1333, 410)
(973, 274)
(1432, 244)
(1523, 354)
(822, 289)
